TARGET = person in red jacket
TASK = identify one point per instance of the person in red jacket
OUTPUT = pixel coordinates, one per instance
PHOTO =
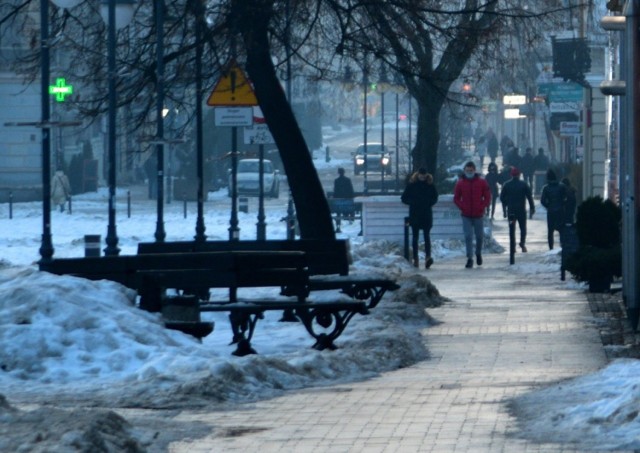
(472, 196)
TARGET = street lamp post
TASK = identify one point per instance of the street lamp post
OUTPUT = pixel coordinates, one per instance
(383, 86)
(160, 233)
(365, 84)
(200, 227)
(115, 18)
(398, 87)
(46, 247)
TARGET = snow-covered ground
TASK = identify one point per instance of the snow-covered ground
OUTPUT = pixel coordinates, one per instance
(65, 339)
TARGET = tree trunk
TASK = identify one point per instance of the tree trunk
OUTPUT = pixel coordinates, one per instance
(425, 152)
(312, 208)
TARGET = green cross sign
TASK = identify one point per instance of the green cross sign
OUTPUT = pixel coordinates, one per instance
(60, 89)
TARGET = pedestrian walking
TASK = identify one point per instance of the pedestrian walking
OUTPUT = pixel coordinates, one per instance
(541, 161)
(570, 203)
(492, 144)
(60, 189)
(481, 149)
(493, 179)
(527, 166)
(554, 198)
(506, 144)
(514, 195)
(512, 158)
(472, 196)
(421, 194)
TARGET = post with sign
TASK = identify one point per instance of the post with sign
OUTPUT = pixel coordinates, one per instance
(259, 134)
(233, 98)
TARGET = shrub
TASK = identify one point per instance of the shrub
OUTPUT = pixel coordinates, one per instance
(600, 253)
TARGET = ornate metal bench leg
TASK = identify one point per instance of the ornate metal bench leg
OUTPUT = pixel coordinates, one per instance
(243, 325)
(289, 316)
(332, 321)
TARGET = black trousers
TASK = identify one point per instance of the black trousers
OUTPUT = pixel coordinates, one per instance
(521, 218)
(415, 237)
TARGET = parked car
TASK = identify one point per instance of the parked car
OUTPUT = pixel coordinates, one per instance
(378, 159)
(248, 178)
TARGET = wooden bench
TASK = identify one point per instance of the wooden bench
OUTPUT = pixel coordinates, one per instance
(327, 260)
(323, 257)
(344, 209)
(195, 273)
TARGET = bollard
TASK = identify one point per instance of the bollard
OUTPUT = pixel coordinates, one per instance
(184, 205)
(91, 245)
(128, 204)
(70, 206)
(327, 156)
(243, 204)
(11, 205)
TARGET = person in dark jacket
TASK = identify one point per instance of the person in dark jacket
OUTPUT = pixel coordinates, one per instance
(421, 194)
(554, 198)
(492, 144)
(343, 192)
(472, 196)
(527, 166)
(512, 158)
(493, 179)
(514, 195)
(541, 162)
(570, 203)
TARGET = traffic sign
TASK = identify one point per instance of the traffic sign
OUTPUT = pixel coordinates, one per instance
(559, 107)
(233, 116)
(258, 134)
(568, 128)
(233, 89)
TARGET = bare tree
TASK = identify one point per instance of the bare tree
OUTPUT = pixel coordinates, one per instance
(428, 42)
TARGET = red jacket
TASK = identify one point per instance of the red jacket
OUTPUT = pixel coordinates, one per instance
(472, 196)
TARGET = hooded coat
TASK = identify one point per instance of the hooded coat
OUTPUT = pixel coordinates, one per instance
(420, 196)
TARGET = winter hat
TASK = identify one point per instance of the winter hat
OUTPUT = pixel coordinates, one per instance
(422, 171)
(515, 172)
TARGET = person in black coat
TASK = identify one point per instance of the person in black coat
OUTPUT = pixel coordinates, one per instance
(527, 166)
(421, 194)
(554, 198)
(343, 193)
(514, 195)
(570, 203)
(493, 179)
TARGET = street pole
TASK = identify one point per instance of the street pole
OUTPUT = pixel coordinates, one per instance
(382, 170)
(632, 151)
(234, 231)
(397, 141)
(46, 246)
(365, 82)
(200, 227)
(112, 237)
(261, 233)
(160, 232)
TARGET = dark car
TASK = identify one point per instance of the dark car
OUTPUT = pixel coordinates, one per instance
(378, 159)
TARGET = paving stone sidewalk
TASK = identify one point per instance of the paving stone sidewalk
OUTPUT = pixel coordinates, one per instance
(502, 334)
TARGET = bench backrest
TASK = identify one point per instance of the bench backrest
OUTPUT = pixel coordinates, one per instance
(323, 257)
(222, 269)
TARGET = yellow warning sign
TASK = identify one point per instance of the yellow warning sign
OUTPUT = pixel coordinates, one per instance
(233, 89)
